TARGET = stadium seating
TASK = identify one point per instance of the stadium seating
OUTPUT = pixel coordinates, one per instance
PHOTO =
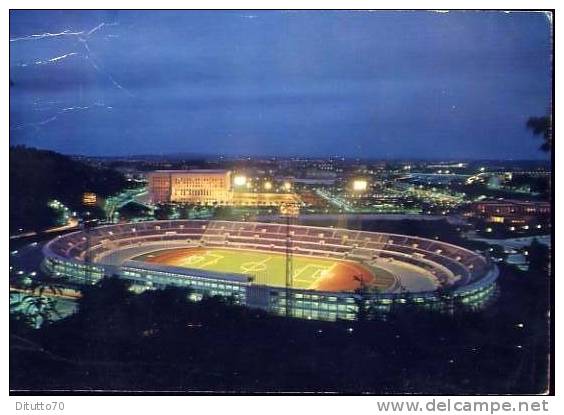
(435, 256)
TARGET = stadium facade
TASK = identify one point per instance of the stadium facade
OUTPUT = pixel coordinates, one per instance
(85, 257)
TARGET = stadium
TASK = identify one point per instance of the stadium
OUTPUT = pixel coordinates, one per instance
(330, 271)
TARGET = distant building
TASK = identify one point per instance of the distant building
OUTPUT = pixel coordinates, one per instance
(512, 212)
(208, 187)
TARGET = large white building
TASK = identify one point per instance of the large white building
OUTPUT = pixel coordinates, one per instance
(210, 187)
(202, 186)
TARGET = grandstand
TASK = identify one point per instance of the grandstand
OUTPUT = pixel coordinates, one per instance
(396, 268)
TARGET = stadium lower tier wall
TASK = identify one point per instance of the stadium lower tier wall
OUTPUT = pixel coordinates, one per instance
(308, 304)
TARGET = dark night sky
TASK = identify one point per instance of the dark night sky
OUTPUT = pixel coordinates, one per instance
(370, 84)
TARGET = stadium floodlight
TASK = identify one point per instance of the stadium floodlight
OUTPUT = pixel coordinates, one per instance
(360, 185)
(240, 180)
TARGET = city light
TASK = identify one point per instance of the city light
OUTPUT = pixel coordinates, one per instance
(360, 185)
(287, 185)
(89, 199)
(268, 186)
(240, 180)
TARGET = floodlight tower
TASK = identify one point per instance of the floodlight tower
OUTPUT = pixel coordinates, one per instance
(359, 187)
(89, 200)
(289, 211)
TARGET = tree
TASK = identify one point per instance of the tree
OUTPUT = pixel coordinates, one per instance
(163, 212)
(38, 176)
(445, 294)
(42, 283)
(542, 126)
(164, 310)
(132, 210)
(39, 308)
(538, 255)
(364, 311)
(105, 295)
(19, 320)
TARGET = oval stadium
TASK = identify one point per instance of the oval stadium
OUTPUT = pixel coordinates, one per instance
(330, 270)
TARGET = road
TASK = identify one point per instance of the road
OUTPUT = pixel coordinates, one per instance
(71, 224)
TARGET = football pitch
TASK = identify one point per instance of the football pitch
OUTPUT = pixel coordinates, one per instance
(269, 268)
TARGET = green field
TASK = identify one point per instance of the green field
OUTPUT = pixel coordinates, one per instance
(269, 268)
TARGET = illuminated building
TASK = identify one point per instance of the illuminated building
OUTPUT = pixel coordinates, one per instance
(191, 186)
(213, 187)
(512, 211)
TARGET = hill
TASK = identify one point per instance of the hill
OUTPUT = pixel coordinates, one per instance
(37, 176)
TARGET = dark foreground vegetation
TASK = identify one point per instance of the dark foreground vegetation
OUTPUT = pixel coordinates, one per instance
(159, 341)
(37, 176)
